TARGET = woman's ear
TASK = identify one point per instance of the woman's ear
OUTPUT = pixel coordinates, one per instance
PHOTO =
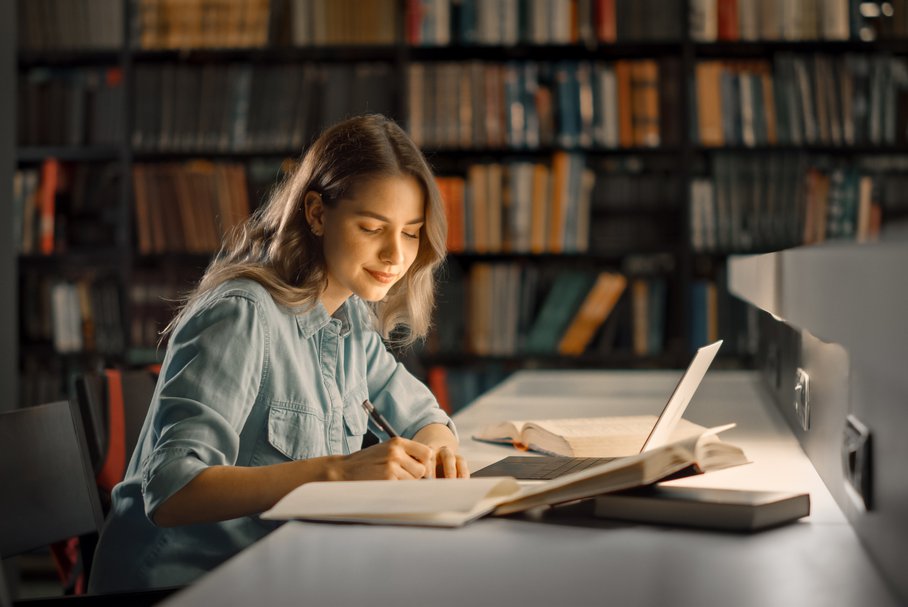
(315, 212)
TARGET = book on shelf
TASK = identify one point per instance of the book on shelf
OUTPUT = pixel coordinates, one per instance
(593, 311)
(705, 508)
(616, 436)
(455, 502)
(199, 203)
(560, 305)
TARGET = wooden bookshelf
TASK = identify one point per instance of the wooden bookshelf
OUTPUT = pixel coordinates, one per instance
(169, 79)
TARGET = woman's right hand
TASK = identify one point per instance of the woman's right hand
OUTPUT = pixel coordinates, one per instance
(396, 459)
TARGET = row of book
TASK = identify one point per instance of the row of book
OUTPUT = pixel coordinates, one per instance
(751, 20)
(819, 99)
(179, 24)
(189, 207)
(81, 315)
(61, 207)
(778, 202)
(153, 299)
(349, 22)
(650, 190)
(245, 107)
(69, 24)
(522, 207)
(81, 106)
(505, 309)
(539, 22)
(627, 103)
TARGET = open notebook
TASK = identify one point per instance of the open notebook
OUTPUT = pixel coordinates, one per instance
(544, 468)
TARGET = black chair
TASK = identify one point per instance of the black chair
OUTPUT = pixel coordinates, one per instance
(49, 492)
(113, 405)
(48, 486)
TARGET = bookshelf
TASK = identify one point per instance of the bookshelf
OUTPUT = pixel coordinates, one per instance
(216, 98)
(9, 350)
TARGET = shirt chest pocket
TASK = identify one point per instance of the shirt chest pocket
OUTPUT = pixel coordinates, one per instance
(356, 421)
(295, 430)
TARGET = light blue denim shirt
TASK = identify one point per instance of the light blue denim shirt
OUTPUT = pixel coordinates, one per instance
(246, 382)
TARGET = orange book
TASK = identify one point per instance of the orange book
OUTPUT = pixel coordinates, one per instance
(47, 192)
(645, 100)
(769, 102)
(623, 77)
(541, 196)
(598, 304)
(558, 211)
(143, 215)
(709, 103)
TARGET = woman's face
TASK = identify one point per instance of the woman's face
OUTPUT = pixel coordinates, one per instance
(371, 238)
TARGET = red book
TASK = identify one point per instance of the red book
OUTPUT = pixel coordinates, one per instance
(606, 27)
(47, 191)
(727, 19)
(438, 384)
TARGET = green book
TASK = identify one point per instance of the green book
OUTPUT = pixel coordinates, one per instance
(562, 301)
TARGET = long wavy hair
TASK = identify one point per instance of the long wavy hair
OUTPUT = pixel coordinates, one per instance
(276, 248)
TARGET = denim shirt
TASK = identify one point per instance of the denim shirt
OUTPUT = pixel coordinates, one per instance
(246, 382)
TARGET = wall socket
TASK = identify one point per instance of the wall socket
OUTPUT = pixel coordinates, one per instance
(802, 398)
(857, 462)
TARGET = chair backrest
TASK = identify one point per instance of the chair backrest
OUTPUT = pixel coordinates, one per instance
(114, 405)
(5, 600)
(49, 491)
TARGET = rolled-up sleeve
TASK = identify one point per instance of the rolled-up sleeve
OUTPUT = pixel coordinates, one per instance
(405, 401)
(210, 381)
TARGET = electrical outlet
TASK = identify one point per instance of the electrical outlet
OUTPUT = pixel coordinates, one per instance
(857, 462)
(802, 398)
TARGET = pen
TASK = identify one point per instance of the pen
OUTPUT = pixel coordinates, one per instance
(379, 419)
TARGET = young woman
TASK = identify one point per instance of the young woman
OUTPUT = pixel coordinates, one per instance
(272, 356)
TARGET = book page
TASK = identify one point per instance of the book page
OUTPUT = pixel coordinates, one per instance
(366, 500)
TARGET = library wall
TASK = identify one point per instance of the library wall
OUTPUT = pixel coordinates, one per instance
(599, 160)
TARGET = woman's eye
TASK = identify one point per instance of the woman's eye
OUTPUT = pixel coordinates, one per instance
(370, 231)
(411, 235)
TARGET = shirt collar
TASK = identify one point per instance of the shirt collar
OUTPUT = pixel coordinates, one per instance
(316, 318)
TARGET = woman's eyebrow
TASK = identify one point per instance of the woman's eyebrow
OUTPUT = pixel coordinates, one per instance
(386, 220)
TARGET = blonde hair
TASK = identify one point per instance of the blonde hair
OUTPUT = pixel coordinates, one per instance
(276, 248)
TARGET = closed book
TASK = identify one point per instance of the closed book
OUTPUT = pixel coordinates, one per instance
(728, 509)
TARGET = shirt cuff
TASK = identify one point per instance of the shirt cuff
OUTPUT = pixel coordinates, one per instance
(164, 473)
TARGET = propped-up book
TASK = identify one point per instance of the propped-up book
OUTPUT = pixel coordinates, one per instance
(615, 436)
(454, 502)
(709, 508)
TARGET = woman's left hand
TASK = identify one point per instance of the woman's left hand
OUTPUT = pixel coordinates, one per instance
(448, 464)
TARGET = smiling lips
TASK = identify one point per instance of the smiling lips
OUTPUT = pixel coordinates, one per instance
(383, 277)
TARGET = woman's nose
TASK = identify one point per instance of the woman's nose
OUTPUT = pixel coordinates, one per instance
(392, 251)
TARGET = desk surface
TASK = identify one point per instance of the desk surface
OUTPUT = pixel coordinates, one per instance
(572, 558)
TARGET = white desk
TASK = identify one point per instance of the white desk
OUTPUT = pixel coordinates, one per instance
(573, 559)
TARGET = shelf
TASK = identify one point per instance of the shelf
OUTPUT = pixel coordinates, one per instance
(180, 155)
(89, 153)
(738, 49)
(46, 351)
(838, 150)
(68, 57)
(105, 258)
(570, 258)
(271, 54)
(472, 153)
(553, 52)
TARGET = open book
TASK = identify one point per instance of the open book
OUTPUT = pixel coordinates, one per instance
(454, 502)
(615, 436)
